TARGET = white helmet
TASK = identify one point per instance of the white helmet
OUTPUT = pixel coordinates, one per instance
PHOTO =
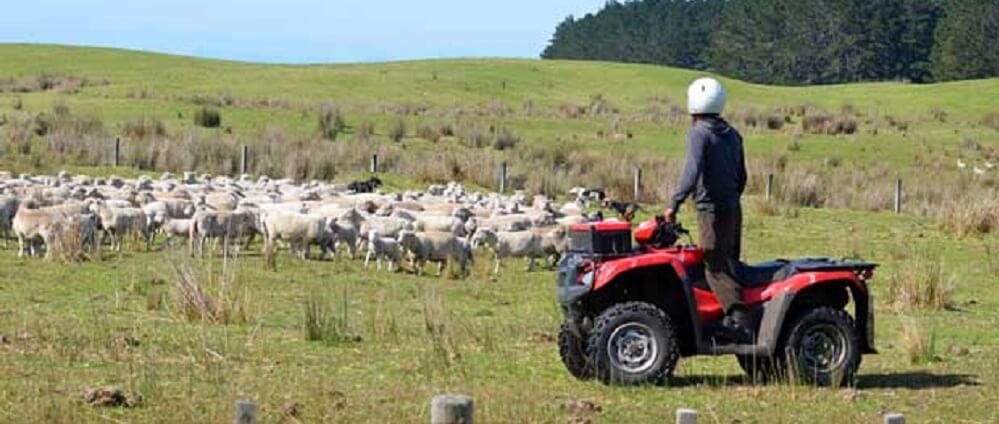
(706, 96)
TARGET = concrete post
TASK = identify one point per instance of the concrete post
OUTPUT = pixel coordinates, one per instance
(451, 409)
(686, 416)
(246, 412)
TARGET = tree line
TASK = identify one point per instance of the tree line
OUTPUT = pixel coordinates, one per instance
(793, 42)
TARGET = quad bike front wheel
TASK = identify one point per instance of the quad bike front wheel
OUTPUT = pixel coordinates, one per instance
(821, 347)
(632, 343)
(572, 350)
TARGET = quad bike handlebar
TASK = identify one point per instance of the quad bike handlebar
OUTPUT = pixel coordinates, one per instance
(667, 232)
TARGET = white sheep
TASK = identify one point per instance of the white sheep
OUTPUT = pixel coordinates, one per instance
(299, 230)
(504, 244)
(175, 227)
(439, 247)
(119, 222)
(447, 224)
(8, 208)
(222, 227)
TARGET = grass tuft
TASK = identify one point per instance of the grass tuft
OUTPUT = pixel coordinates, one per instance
(208, 117)
(322, 324)
(920, 282)
(919, 343)
(206, 297)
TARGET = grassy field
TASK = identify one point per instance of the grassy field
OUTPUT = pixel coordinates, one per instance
(72, 327)
(114, 320)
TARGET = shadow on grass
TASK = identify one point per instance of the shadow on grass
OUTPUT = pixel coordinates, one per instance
(905, 380)
(914, 380)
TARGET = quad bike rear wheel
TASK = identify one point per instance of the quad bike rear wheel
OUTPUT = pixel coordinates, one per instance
(821, 347)
(633, 343)
(572, 349)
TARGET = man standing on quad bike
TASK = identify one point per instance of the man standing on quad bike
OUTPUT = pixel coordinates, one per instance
(715, 176)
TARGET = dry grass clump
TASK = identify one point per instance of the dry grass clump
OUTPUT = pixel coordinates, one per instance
(600, 106)
(47, 82)
(572, 110)
(365, 131)
(323, 325)
(330, 121)
(208, 117)
(141, 128)
(972, 215)
(444, 351)
(205, 296)
(938, 114)
(802, 188)
(920, 282)
(504, 139)
(398, 130)
(817, 122)
(899, 124)
(428, 132)
(919, 343)
(74, 240)
(991, 120)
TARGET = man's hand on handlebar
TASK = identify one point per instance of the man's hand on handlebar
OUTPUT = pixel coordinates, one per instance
(669, 214)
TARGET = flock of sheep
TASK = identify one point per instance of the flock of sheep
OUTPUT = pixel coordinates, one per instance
(442, 224)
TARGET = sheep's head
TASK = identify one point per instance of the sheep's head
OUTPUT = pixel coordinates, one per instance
(408, 240)
(483, 236)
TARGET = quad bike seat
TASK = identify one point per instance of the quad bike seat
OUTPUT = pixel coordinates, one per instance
(761, 274)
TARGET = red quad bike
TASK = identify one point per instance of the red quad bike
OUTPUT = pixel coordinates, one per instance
(630, 314)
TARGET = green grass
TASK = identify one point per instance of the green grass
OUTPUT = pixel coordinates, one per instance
(491, 341)
(171, 81)
(488, 337)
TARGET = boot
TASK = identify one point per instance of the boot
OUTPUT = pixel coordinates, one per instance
(737, 326)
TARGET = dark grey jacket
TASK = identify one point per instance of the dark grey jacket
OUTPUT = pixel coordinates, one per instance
(715, 172)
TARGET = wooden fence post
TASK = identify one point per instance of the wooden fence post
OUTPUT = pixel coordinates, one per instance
(374, 164)
(243, 157)
(502, 178)
(898, 196)
(451, 409)
(894, 418)
(117, 151)
(686, 416)
(770, 186)
(246, 412)
(638, 184)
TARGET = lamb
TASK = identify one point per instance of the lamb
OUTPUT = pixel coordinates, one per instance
(439, 247)
(505, 244)
(383, 247)
(300, 230)
(175, 227)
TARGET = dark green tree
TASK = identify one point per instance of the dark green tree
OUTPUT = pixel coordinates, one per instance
(966, 41)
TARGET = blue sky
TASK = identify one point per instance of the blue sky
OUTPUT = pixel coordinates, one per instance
(296, 30)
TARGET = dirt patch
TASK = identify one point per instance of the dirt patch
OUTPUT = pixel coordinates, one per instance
(110, 397)
(291, 410)
(542, 337)
(580, 407)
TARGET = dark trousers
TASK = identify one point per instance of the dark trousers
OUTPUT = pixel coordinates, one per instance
(721, 238)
